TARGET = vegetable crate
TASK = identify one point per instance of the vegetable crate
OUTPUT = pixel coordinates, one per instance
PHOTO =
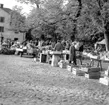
(78, 71)
(104, 81)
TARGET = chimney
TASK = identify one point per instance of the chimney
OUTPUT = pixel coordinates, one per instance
(1, 5)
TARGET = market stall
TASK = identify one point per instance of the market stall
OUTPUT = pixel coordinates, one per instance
(56, 57)
(99, 58)
(101, 46)
(101, 42)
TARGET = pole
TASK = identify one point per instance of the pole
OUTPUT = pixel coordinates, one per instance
(1, 38)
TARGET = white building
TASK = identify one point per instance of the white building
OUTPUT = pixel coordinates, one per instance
(5, 28)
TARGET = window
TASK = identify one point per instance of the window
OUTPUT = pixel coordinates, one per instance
(2, 19)
(1, 29)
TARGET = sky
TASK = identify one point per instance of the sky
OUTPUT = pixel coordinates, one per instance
(26, 7)
(11, 3)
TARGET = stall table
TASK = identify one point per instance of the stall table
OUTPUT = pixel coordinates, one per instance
(67, 53)
(45, 56)
(18, 51)
(56, 56)
(99, 62)
(94, 58)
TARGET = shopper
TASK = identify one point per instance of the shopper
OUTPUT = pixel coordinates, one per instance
(72, 57)
(58, 46)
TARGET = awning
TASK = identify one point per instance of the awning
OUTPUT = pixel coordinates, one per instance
(101, 42)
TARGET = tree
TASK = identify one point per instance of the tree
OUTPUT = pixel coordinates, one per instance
(97, 13)
(74, 8)
(17, 20)
(77, 18)
(42, 20)
(50, 18)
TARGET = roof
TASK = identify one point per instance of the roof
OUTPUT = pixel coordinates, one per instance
(7, 10)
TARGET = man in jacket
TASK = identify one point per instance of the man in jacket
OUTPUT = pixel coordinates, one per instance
(58, 46)
(72, 57)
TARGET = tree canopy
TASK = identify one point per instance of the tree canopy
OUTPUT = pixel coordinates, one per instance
(17, 20)
(69, 18)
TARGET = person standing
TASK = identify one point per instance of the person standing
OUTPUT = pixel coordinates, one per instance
(58, 56)
(53, 45)
(72, 54)
(67, 45)
(58, 46)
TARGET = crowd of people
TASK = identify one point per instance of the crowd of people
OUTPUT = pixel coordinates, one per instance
(36, 47)
(75, 48)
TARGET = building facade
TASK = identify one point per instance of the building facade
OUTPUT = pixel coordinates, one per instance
(5, 27)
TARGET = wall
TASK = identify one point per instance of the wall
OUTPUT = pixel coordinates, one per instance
(7, 32)
(12, 35)
(6, 24)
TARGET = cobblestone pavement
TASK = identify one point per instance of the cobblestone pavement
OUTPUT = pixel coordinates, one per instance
(25, 82)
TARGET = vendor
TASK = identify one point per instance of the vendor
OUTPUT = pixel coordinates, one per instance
(57, 57)
(53, 45)
(72, 57)
(63, 44)
(58, 46)
(67, 47)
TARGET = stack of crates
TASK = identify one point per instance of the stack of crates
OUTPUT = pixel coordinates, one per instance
(93, 73)
(105, 79)
(77, 71)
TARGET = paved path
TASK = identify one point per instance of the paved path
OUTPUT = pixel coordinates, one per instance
(25, 82)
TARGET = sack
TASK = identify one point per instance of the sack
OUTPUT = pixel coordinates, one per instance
(77, 46)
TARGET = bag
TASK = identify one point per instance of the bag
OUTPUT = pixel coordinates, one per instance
(77, 46)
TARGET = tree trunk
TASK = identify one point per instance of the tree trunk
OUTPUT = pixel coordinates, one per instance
(76, 18)
(106, 35)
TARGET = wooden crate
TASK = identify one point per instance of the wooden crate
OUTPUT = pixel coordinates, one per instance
(94, 69)
(95, 75)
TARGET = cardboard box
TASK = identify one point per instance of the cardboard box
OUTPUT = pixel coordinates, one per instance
(104, 81)
(77, 71)
(63, 65)
(85, 69)
(69, 68)
(102, 73)
(106, 73)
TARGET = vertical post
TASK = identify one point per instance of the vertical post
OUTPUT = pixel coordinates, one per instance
(1, 38)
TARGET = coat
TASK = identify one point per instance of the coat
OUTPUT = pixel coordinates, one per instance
(58, 47)
(72, 53)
